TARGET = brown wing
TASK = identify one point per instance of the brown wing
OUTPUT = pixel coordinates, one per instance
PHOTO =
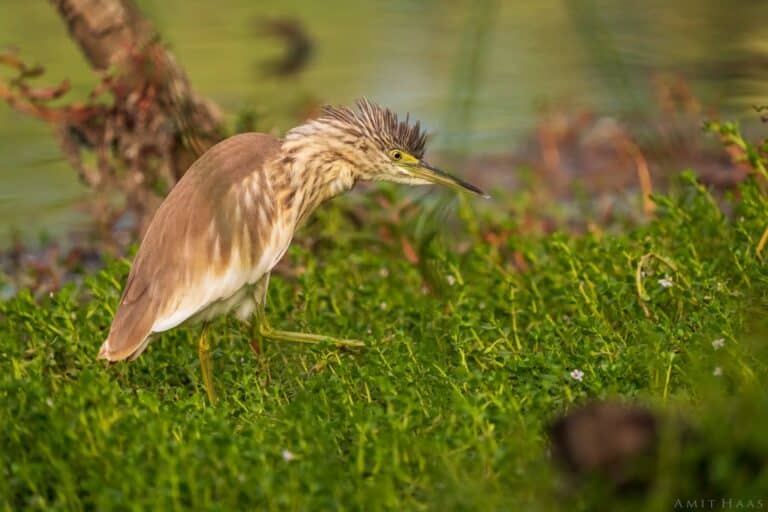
(199, 247)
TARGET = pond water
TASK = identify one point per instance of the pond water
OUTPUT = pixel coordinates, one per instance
(476, 72)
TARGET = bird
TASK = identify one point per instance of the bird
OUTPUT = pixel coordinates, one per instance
(211, 245)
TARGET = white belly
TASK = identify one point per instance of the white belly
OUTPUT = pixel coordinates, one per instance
(243, 302)
(228, 290)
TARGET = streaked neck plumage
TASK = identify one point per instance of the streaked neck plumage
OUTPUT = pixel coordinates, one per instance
(317, 162)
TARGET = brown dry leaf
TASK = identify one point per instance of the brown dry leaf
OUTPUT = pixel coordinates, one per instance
(408, 251)
(47, 93)
(520, 262)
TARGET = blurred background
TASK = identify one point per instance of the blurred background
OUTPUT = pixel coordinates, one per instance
(484, 76)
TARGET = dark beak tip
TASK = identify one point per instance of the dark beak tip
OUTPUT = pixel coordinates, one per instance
(478, 192)
(454, 179)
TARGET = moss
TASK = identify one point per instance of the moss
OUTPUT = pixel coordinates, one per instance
(446, 408)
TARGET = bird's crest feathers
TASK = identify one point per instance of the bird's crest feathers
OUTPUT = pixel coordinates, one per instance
(381, 124)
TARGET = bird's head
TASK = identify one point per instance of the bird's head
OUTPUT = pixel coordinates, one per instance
(386, 148)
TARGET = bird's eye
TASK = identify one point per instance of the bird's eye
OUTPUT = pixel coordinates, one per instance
(396, 155)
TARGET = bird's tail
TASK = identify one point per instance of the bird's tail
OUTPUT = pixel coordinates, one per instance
(130, 332)
(106, 351)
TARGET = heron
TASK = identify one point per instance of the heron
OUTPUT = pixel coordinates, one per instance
(211, 245)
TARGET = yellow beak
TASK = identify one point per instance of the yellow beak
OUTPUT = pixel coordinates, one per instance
(434, 175)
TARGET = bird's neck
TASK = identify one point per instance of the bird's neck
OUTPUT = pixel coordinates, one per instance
(316, 166)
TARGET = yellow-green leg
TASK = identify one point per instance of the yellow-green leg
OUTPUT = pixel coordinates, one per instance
(204, 350)
(261, 325)
(268, 332)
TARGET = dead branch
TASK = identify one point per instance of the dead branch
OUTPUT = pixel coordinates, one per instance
(142, 125)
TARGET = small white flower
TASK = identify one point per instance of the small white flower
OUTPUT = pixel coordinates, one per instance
(666, 282)
(717, 372)
(383, 305)
(451, 280)
(369, 331)
(288, 455)
(577, 375)
(481, 305)
(49, 402)
(384, 272)
(718, 343)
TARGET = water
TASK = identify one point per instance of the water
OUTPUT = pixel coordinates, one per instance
(476, 72)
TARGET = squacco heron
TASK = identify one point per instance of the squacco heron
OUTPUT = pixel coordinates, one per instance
(211, 245)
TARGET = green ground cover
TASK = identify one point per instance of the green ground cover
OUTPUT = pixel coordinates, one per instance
(447, 407)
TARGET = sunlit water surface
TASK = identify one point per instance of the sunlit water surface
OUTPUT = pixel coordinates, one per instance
(475, 72)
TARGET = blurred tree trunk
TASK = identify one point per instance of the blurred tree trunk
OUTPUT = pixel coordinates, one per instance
(115, 36)
(104, 29)
(156, 125)
(141, 127)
